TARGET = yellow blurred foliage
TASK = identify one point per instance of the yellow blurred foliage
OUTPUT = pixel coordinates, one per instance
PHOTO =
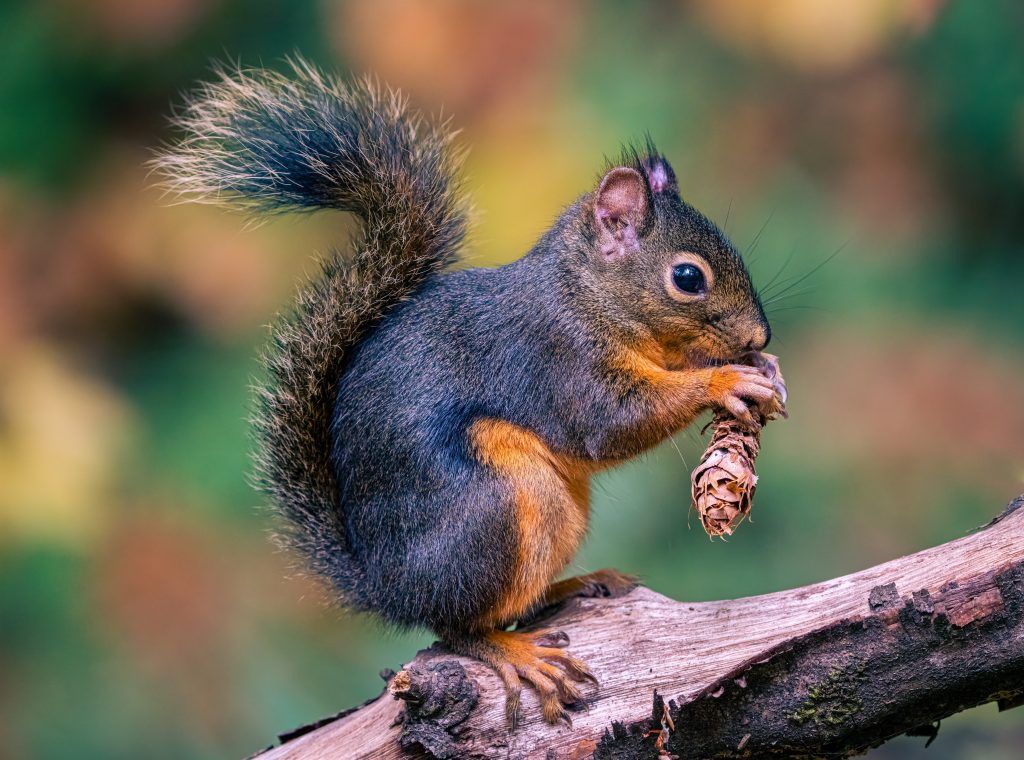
(62, 437)
(814, 35)
(518, 183)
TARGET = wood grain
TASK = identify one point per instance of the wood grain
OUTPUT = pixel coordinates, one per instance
(644, 643)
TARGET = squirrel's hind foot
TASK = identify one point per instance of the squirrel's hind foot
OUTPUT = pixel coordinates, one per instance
(537, 657)
(605, 583)
(608, 582)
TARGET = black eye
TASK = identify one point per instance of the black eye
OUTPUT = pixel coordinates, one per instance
(688, 278)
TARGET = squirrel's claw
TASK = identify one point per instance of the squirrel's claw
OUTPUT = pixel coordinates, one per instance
(608, 582)
(551, 638)
(769, 366)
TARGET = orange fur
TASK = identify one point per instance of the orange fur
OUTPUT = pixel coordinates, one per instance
(537, 658)
(679, 395)
(644, 362)
(552, 502)
(517, 647)
(552, 493)
(723, 382)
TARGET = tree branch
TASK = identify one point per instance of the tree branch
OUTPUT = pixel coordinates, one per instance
(827, 670)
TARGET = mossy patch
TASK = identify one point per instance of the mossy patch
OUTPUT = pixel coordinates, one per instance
(834, 700)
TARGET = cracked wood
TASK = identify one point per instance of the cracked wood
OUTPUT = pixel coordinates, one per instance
(947, 620)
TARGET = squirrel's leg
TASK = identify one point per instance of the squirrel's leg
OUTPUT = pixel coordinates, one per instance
(549, 499)
(536, 657)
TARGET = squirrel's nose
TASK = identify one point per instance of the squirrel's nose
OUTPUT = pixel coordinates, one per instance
(762, 337)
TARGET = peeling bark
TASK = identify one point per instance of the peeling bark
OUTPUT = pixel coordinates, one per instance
(827, 670)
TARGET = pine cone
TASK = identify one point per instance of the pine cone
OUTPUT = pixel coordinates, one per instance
(723, 484)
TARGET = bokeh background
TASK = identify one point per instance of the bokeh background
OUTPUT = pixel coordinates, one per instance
(143, 613)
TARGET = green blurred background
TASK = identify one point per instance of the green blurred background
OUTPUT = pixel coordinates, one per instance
(143, 613)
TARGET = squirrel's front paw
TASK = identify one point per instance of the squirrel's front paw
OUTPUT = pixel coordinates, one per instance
(769, 366)
(733, 385)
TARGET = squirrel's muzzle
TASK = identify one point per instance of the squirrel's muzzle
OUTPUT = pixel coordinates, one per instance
(762, 336)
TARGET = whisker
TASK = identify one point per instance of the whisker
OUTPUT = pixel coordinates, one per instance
(767, 288)
(678, 451)
(784, 296)
(757, 238)
(794, 281)
(803, 307)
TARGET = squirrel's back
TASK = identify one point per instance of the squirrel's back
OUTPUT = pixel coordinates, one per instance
(467, 344)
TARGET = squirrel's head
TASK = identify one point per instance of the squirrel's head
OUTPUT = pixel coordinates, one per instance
(659, 265)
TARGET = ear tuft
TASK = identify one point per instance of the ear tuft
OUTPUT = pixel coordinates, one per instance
(660, 175)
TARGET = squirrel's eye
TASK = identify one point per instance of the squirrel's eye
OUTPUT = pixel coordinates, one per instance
(688, 278)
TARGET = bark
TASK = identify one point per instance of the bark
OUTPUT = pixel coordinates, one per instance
(827, 670)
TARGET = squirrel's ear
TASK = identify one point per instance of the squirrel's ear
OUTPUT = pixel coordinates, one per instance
(660, 175)
(620, 209)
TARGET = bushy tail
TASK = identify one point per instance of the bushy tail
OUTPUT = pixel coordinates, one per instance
(267, 142)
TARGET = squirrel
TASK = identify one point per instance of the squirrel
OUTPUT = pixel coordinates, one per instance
(428, 434)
